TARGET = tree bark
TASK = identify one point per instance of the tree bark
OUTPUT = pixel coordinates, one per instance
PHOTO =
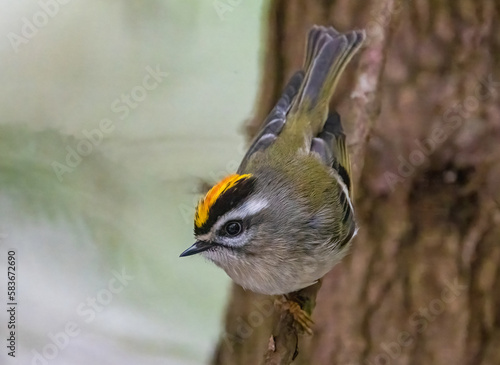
(420, 106)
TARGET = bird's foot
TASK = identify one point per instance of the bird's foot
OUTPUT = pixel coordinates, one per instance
(301, 317)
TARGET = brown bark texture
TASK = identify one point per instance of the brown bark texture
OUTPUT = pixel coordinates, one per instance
(421, 108)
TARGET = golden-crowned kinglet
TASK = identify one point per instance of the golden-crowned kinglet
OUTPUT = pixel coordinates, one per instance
(286, 217)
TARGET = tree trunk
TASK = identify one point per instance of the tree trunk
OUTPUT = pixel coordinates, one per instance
(422, 282)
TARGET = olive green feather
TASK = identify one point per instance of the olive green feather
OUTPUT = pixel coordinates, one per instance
(327, 54)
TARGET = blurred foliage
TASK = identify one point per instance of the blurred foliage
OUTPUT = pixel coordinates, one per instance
(128, 203)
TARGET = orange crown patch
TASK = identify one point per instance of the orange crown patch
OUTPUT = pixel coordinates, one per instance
(213, 194)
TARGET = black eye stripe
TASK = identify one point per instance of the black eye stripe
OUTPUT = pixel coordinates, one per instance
(229, 199)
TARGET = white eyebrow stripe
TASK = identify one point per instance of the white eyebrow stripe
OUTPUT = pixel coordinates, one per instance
(254, 206)
(250, 207)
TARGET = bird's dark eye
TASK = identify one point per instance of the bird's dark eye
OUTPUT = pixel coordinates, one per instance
(233, 228)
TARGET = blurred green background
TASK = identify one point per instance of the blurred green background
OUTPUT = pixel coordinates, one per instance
(111, 113)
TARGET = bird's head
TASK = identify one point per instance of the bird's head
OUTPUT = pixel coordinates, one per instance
(227, 219)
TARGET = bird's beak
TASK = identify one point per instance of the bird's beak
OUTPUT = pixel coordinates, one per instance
(197, 247)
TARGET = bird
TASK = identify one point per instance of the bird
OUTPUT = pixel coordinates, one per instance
(285, 218)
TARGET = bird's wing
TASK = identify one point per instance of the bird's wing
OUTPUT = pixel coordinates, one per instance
(275, 121)
(331, 147)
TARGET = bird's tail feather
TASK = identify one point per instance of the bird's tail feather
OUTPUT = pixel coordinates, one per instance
(327, 54)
